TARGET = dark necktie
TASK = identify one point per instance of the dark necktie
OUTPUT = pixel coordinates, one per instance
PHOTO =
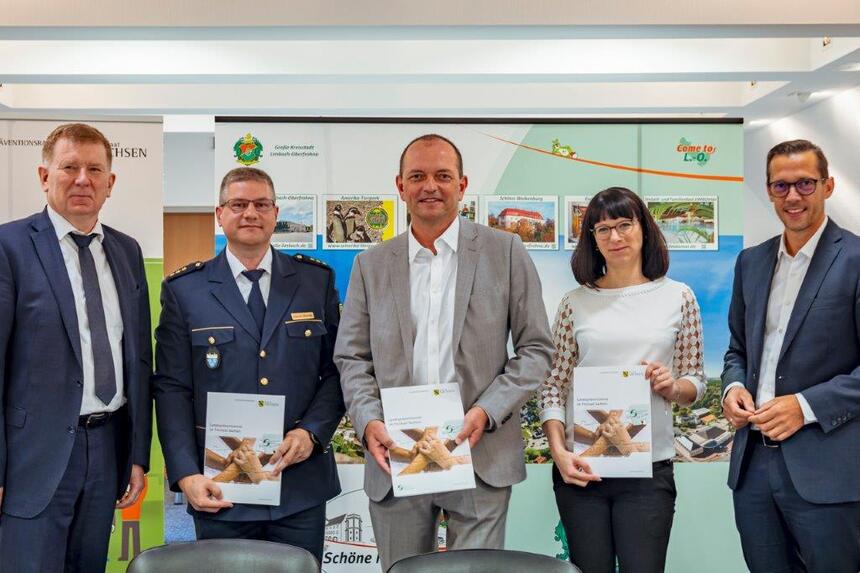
(105, 376)
(255, 299)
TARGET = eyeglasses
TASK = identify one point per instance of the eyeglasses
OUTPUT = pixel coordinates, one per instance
(239, 205)
(603, 232)
(804, 186)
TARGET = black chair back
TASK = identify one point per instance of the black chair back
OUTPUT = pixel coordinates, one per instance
(482, 561)
(225, 556)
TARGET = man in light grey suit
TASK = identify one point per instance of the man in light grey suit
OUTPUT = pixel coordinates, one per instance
(436, 305)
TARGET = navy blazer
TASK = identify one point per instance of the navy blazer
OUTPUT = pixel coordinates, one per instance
(41, 376)
(820, 358)
(202, 302)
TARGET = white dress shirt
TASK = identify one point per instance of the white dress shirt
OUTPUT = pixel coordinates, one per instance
(787, 278)
(110, 301)
(432, 286)
(244, 283)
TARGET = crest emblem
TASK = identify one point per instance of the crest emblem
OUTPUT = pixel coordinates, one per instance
(213, 358)
(248, 150)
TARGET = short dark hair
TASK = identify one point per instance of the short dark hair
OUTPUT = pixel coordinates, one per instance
(78, 133)
(797, 146)
(588, 264)
(432, 137)
(240, 174)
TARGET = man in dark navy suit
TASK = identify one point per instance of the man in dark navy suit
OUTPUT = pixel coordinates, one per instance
(252, 320)
(791, 383)
(75, 361)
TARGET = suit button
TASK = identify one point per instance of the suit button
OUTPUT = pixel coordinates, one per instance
(262, 354)
(71, 429)
(308, 333)
(79, 383)
(264, 381)
(834, 422)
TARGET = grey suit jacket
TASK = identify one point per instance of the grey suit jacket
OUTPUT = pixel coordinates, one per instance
(497, 293)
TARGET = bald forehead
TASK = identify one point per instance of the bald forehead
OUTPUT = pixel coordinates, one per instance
(429, 148)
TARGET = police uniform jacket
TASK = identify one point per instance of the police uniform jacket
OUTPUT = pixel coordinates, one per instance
(204, 312)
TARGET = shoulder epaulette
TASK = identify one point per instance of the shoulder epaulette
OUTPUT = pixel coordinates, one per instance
(189, 268)
(310, 260)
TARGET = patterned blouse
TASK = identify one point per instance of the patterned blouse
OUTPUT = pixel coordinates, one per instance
(656, 321)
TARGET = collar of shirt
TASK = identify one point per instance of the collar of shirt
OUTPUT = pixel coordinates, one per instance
(62, 226)
(809, 248)
(236, 267)
(449, 237)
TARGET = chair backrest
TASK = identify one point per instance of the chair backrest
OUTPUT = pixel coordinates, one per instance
(225, 556)
(482, 561)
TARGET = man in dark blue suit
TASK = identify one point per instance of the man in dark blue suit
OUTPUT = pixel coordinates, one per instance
(252, 320)
(791, 383)
(75, 361)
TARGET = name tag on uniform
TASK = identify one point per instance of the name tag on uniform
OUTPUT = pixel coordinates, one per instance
(302, 315)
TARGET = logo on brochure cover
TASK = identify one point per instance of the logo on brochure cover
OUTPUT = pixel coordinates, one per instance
(695, 153)
(248, 150)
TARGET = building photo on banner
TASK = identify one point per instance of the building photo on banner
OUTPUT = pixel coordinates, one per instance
(335, 185)
(134, 208)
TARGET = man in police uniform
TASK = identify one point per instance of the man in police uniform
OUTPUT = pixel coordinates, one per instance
(251, 320)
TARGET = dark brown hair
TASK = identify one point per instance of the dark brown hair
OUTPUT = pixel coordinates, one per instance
(797, 146)
(240, 174)
(431, 137)
(588, 264)
(78, 133)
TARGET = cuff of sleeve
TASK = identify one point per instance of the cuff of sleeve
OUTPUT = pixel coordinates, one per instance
(809, 416)
(726, 391)
(491, 423)
(553, 414)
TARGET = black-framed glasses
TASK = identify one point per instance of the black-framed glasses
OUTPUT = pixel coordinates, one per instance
(603, 232)
(805, 186)
(239, 205)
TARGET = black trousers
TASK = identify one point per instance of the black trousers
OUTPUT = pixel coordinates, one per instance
(627, 518)
(783, 533)
(305, 529)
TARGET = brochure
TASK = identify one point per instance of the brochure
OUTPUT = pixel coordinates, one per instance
(423, 422)
(242, 432)
(612, 420)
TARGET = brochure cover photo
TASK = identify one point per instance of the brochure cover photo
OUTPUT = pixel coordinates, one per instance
(423, 421)
(242, 432)
(612, 420)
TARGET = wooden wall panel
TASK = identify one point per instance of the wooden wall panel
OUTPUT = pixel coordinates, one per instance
(188, 237)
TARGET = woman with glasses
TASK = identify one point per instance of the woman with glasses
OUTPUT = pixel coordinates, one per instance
(625, 312)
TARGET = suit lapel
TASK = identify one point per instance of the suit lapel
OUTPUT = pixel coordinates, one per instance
(468, 248)
(398, 277)
(124, 288)
(825, 253)
(225, 290)
(281, 293)
(761, 277)
(51, 257)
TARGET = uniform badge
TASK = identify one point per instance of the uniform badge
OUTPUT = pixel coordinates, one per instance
(213, 358)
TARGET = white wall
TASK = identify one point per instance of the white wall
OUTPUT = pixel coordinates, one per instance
(189, 172)
(834, 125)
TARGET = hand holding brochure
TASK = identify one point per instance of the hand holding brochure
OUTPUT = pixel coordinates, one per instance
(242, 432)
(612, 420)
(423, 422)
